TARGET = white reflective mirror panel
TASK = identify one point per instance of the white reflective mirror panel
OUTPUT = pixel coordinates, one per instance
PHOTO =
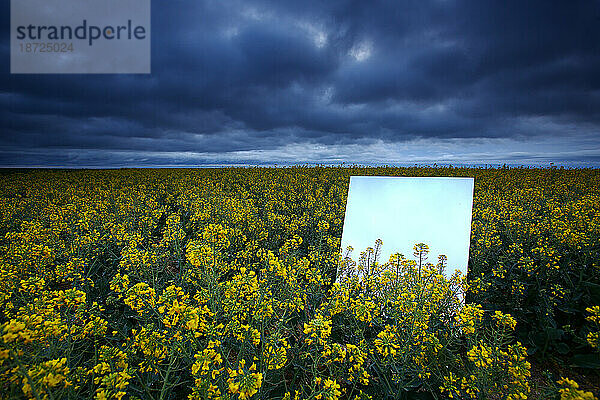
(403, 211)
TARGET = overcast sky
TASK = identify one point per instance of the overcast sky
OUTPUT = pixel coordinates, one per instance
(325, 81)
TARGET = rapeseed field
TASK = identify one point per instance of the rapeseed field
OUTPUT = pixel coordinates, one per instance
(229, 284)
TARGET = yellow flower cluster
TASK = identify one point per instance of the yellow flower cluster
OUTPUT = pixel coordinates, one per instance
(504, 320)
(46, 375)
(593, 337)
(317, 330)
(569, 390)
(328, 389)
(275, 354)
(244, 383)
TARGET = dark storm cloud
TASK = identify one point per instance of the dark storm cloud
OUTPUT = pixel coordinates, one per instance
(257, 81)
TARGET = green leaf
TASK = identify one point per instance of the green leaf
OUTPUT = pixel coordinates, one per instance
(592, 286)
(594, 289)
(562, 348)
(531, 350)
(419, 396)
(568, 310)
(554, 333)
(586, 361)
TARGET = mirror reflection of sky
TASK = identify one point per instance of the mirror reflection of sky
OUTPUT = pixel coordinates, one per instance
(403, 211)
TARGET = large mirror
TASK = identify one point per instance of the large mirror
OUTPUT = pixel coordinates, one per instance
(406, 211)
